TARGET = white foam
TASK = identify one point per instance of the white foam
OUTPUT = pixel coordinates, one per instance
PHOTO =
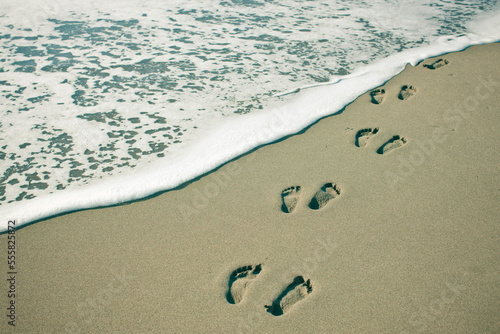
(222, 139)
(232, 138)
(486, 24)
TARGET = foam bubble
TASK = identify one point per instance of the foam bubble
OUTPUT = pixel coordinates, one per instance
(95, 120)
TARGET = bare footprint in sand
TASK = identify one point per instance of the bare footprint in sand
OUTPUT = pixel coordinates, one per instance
(377, 96)
(294, 293)
(437, 64)
(239, 282)
(328, 192)
(364, 135)
(392, 144)
(290, 198)
(407, 92)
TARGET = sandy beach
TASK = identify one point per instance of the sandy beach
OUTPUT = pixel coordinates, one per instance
(394, 228)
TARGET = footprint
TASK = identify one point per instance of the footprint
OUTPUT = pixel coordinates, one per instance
(294, 293)
(407, 92)
(437, 64)
(239, 282)
(364, 135)
(392, 144)
(290, 197)
(324, 195)
(377, 96)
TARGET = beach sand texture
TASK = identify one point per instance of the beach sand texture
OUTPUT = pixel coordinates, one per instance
(404, 237)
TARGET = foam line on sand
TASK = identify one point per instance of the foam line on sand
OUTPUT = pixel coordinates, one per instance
(406, 243)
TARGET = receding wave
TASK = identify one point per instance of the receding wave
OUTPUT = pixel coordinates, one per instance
(104, 102)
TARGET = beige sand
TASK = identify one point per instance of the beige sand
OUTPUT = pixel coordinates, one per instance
(411, 244)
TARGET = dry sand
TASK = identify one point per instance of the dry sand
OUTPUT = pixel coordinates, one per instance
(411, 244)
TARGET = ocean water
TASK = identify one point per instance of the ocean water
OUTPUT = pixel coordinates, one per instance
(109, 101)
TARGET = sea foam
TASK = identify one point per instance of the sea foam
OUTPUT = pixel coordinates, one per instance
(211, 133)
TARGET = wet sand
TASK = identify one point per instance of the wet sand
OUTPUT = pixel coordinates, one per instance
(382, 219)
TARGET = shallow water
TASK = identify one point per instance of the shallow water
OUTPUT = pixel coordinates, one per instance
(94, 90)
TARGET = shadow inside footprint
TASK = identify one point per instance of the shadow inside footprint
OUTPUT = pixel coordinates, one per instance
(295, 292)
(437, 64)
(407, 92)
(324, 195)
(290, 198)
(377, 96)
(392, 144)
(239, 281)
(364, 135)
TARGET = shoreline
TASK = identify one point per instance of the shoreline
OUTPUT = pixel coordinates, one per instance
(409, 244)
(263, 129)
